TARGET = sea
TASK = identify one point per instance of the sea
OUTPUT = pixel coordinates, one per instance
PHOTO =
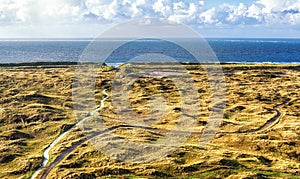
(237, 50)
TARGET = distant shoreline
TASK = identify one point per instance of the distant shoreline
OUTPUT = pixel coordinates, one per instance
(65, 64)
(36, 64)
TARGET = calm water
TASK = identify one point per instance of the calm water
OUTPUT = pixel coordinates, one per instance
(227, 50)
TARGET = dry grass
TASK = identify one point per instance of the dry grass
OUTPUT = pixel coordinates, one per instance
(36, 106)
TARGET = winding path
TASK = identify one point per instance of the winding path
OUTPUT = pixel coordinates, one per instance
(271, 122)
(58, 139)
(274, 120)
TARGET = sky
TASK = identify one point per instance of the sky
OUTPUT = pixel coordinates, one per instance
(88, 18)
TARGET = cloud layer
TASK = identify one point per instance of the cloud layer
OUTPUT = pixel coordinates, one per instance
(72, 17)
(268, 12)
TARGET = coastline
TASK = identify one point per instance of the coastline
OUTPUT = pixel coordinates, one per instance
(74, 63)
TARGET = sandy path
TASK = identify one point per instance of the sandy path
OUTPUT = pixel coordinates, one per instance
(271, 122)
(58, 139)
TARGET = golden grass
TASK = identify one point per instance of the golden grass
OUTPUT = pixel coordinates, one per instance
(36, 106)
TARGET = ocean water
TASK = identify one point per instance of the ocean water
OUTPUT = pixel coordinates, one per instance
(226, 50)
(257, 50)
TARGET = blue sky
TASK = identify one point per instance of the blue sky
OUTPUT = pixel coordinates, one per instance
(88, 18)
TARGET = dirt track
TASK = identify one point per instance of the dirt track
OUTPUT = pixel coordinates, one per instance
(270, 123)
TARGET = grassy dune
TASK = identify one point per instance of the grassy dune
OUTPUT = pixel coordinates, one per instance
(36, 106)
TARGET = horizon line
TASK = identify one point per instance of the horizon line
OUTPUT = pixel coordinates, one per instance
(91, 38)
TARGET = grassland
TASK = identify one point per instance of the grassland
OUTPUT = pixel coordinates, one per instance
(36, 106)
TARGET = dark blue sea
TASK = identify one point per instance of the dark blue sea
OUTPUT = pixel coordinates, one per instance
(227, 50)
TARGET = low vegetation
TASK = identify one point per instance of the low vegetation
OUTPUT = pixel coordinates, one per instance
(36, 106)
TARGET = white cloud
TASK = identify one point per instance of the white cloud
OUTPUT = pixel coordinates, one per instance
(209, 16)
(38, 12)
(13, 11)
(162, 7)
(185, 12)
(271, 5)
(255, 12)
(276, 12)
(193, 12)
(235, 13)
(240, 14)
